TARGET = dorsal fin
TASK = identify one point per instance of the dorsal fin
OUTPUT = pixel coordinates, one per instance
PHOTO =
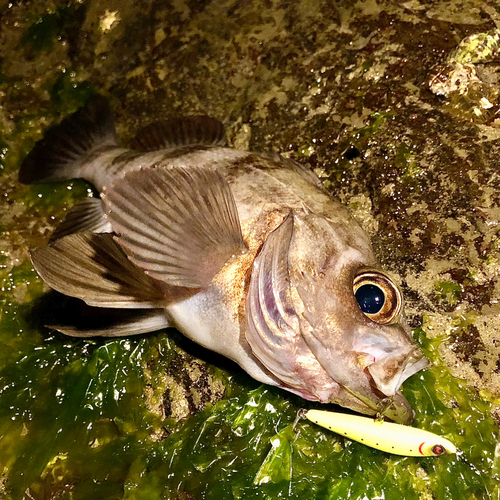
(176, 132)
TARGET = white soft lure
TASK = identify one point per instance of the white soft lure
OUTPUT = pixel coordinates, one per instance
(386, 436)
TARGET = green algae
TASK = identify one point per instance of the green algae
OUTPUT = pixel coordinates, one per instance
(477, 48)
(449, 291)
(75, 421)
(92, 412)
(68, 93)
(43, 32)
(406, 162)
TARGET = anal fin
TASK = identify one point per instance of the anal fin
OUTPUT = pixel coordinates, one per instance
(113, 323)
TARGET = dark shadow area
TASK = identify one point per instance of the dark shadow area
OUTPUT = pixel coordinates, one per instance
(54, 308)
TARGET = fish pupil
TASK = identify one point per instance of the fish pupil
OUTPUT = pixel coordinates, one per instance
(370, 298)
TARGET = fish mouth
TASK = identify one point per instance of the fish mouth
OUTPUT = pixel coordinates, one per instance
(385, 377)
(396, 407)
(389, 372)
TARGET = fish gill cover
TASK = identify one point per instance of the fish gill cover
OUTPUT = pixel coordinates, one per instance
(106, 419)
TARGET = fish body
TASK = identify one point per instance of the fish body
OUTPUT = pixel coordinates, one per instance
(244, 253)
(386, 436)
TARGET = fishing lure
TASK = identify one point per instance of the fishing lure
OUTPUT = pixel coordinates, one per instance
(386, 436)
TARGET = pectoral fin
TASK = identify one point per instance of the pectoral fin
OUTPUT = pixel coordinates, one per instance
(180, 225)
(92, 267)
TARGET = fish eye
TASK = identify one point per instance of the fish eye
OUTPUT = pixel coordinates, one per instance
(378, 296)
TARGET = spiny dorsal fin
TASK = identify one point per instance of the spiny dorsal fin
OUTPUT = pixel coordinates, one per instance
(94, 268)
(177, 132)
(60, 154)
(180, 225)
(86, 216)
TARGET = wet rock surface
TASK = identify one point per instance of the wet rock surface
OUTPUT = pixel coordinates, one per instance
(343, 88)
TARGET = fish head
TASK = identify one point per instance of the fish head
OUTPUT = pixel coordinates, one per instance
(341, 336)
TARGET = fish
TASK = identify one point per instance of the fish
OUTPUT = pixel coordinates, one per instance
(385, 436)
(244, 253)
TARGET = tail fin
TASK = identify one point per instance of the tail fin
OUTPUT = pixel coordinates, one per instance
(64, 149)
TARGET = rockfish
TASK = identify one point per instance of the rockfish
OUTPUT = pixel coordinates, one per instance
(244, 253)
